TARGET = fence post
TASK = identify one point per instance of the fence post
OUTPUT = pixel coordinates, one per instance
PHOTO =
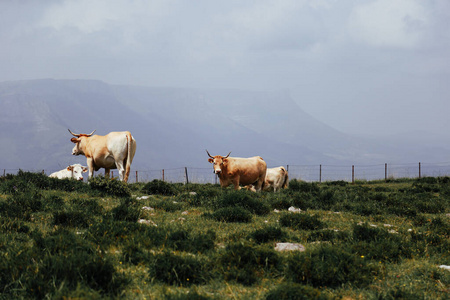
(186, 172)
(162, 174)
(136, 176)
(420, 171)
(353, 174)
(320, 174)
(385, 172)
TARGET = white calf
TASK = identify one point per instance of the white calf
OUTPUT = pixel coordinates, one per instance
(73, 171)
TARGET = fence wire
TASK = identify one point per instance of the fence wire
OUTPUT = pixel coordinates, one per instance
(308, 173)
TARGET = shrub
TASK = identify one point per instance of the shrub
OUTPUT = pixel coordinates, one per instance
(330, 266)
(159, 187)
(301, 221)
(280, 200)
(247, 200)
(68, 259)
(243, 263)
(110, 187)
(302, 186)
(290, 291)
(183, 240)
(231, 214)
(128, 210)
(22, 204)
(179, 270)
(267, 234)
(71, 218)
(379, 244)
(168, 205)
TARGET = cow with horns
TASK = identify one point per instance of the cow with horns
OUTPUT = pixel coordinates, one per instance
(112, 151)
(239, 171)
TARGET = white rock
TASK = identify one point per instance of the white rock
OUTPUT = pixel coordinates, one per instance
(148, 208)
(143, 197)
(147, 222)
(289, 247)
(445, 267)
(295, 210)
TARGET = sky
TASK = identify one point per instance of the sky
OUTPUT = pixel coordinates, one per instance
(364, 67)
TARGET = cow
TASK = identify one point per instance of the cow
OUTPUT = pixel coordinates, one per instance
(73, 171)
(276, 179)
(112, 151)
(239, 171)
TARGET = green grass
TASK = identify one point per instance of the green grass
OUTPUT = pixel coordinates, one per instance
(369, 240)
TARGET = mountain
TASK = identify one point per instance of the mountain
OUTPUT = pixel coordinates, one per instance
(172, 126)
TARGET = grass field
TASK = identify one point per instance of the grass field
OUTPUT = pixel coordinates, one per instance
(63, 239)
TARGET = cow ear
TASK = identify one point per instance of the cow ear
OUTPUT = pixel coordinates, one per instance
(210, 160)
(69, 168)
(74, 140)
(84, 169)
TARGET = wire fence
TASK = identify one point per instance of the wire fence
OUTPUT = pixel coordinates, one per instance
(308, 173)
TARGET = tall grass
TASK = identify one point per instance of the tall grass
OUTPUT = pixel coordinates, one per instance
(371, 240)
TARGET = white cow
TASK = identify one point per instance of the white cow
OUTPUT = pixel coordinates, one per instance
(276, 179)
(112, 151)
(73, 171)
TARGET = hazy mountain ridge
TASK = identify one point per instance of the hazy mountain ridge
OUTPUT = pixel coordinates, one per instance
(172, 126)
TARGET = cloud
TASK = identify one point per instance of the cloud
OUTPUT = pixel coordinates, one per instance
(387, 23)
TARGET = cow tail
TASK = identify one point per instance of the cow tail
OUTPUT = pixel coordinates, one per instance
(286, 179)
(128, 166)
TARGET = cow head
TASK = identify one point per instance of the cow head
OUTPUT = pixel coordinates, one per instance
(219, 162)
(79, 141)
(77, 171)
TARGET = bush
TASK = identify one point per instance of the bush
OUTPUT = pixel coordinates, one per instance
(330, 266)
(244, 199)
(159, 187)
(183, 240)
(68, 260)
(301, 222)
(178, 270)
(109, 187)
(379, 244)
(267, 234)
(128, 210)
(21, 205)
(71, 218)
(244, 264)
(301, 186)
(231, 214)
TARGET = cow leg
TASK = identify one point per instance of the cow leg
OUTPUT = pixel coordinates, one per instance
(120, 168)
(236, 183)
(90, 164)
(107, 172)
(258, 185)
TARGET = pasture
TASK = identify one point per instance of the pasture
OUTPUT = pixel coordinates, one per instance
(109, 240)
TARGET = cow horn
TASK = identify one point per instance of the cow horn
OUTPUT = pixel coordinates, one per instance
(228, 155)
(77, 135)
(208, 153)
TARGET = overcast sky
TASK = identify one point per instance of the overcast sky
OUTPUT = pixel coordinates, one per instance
(362, 66)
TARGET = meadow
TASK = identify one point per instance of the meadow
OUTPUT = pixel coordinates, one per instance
(64, 239)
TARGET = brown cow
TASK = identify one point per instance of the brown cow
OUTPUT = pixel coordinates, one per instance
(112, 151)
(236, 170)
(276, 179)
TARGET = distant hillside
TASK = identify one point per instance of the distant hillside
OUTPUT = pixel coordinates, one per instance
(172, 126)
